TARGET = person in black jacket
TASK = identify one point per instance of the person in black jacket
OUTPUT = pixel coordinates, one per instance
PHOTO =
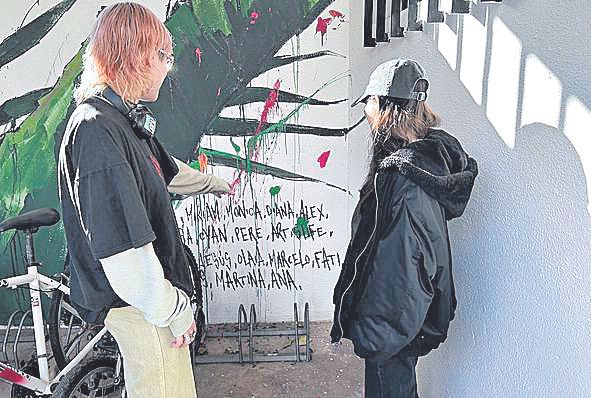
(395, 296)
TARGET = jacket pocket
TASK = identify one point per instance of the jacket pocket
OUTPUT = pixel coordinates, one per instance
(423, 277)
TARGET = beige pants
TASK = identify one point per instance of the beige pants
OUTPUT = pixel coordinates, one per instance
(152, 367)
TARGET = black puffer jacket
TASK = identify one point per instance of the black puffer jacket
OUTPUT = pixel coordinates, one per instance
(396, 289)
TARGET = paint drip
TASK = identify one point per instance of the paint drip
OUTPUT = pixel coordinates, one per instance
(302, 228)
(322, 27)
(198, 55)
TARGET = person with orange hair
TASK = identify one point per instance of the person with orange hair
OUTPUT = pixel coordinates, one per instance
(128, 267)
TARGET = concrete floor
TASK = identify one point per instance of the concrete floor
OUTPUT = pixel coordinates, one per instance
(331, 373)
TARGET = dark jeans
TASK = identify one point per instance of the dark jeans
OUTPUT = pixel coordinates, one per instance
(395, 378)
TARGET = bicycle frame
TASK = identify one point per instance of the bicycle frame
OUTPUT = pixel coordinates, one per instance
(37, 282)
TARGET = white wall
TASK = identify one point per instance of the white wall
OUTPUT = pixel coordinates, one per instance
(512, 82)
(43, 64)
(313, 281)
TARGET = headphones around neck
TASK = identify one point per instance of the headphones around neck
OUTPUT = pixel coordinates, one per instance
(140, 117)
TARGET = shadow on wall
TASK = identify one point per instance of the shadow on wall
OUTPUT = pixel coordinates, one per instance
(523, 309)
(522, 250)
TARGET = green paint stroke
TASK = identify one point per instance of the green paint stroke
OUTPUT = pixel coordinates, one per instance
(195, 165)
(27, 161)
(185, 31)
(235, 146)
(211, 15)
(302, 228)
(274, 191)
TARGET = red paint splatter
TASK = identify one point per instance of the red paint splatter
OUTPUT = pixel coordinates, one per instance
(323, 159)
(254, 16)
(156, 165)
(198, 55)
(270, 103)
(219, 91)
(12, 376)
(336, 14)
(323, 23)
(322, 26)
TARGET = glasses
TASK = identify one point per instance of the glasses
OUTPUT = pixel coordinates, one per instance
(168, 59)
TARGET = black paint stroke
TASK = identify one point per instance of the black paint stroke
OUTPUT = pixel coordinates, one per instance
(260, 94)
(31, 34)
(16, 107)
(282, 60)
(36, 3)
(245, 127)
(260, 168)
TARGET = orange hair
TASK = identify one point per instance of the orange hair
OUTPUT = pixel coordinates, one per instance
(119, 51)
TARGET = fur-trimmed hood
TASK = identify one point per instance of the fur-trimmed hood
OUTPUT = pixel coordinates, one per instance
(439, 165)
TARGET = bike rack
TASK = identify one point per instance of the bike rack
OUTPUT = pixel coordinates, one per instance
(12, 320)
(254, 331)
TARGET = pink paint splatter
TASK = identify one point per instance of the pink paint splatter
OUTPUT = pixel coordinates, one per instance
(198, 55)
(323, 159)
(233, 185)
(219, 91)
(254, 16)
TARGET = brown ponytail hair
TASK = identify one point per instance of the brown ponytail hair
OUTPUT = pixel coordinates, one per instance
(399, 121)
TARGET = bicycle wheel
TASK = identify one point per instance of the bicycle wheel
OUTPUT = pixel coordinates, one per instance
(68, 333)
(94, 377)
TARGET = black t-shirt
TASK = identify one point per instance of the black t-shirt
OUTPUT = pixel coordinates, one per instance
(114, 198)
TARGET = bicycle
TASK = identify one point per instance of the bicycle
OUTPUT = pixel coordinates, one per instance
(67, 330)
(66, 345)
(100, 375)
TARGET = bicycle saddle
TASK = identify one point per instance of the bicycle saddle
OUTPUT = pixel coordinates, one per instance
(31, 220)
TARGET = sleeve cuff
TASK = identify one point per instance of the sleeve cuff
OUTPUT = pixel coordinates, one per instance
(181, 324)
(221, 186)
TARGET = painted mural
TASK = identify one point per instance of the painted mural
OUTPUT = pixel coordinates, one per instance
(237, 103)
